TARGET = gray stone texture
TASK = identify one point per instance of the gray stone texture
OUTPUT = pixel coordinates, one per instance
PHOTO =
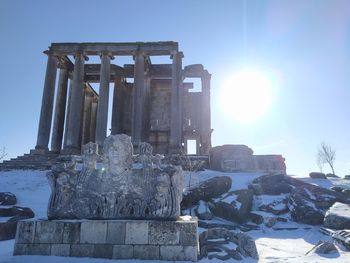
(123, 251)
(25, 232)
(103, 251)
(146, 252)
(179, 253)
(94, 232)
(163, 232)
(115, 232)
(82, 250)
(188, 234)
(71, 233)
(60, 250)
(48, 232)
(136, 232)
(121, 189)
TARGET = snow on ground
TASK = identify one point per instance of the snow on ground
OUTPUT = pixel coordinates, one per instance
(32, 190)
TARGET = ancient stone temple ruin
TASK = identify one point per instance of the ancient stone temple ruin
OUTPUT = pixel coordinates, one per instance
(151, 102)
(105, 195)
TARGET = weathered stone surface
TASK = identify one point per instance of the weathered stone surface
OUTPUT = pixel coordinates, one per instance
(7, 230)
(256, 218)
(48, 232)
(178, 253)
(188, 234)
(234, 206)
(25, 232)
(146, 252)
(123, 251)
(206, 190)
(82, 250)
(202, 211)
(60, 250)
(317, 175)
(136, 233)
(119, 189)
(94, 232)
(338, 216)
(276, 207)
(271, 185)
(309, 203)
(71, 232)
(103, 251)
(7, 198)
(215, 243)
(164, 233)
(116, 232)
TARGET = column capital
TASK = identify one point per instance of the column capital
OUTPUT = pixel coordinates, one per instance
(80, 53)
(138, 53)
(206, 75)
(107, 53)
(176, 54)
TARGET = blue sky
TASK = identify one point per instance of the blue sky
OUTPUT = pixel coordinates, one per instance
(305, 44)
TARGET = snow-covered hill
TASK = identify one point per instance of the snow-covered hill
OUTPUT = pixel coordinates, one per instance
(32, 190)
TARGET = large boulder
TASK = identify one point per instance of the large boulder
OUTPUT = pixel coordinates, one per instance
(338, 216)
(276, 207)
(226, 245)
(309, 203)
(234, 206)
(17, 211)
(206, 190)
(323, 248)
(274, 184)
(7, 198)
(317, 175)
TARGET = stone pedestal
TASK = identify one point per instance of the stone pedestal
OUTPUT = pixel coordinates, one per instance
(114, 239)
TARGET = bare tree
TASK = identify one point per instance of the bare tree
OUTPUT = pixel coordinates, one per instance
(326, 155)
(3, 153)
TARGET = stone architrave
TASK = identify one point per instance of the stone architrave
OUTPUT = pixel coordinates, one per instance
(119, 188)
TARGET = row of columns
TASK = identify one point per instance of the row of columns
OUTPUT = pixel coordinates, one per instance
(79, 128)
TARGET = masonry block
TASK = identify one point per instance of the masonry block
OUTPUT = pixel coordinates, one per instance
(178, 253)
(39, 249)
(188, 234)
(25, 232)
(146, 252)
(123, 251)
(20, 249)
(71, 233)
(164, 232)
(48, 232)
(136, 232)
(116, 232)
(61, 250)
(93, 232)
(103, 251)
(82, 250)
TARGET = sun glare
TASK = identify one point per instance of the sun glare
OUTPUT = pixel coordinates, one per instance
(246, 95)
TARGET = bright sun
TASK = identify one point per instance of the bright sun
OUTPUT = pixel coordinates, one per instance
(246, 95)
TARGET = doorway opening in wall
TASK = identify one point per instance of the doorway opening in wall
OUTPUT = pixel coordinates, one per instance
(191, 147)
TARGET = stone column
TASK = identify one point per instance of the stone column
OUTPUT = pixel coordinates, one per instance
(117, 111)
(176, 103)
(60, 109)
(102, 109)
(70, 92)
(205, 133)
(138, 98)
(47, 103)
(75, 107)
(86, 138)
(94, 105)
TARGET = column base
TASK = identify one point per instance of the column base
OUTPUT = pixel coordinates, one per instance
(70, 151)
(39, 150)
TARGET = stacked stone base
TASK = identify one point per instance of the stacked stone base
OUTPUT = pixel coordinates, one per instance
(114, 239)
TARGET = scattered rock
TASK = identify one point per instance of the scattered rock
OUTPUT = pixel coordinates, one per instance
(206, 190)
(256, 218)
(276, 207)
(224, 244)
(317, 175)
(17, 211)
(7, 198)
(323, 247)
(202, 211)
(274, 184)
(309, 203)
(234, 206)
(270, 221)
(337, 188)
(338, 216)
(347, 177)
